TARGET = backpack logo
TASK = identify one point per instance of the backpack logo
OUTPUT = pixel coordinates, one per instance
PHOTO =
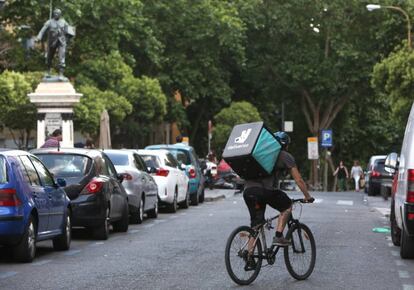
(243, 137)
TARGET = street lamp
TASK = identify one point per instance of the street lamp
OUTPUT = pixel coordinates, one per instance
(372, 7)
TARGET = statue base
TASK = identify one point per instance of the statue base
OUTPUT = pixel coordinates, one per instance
(53, 79)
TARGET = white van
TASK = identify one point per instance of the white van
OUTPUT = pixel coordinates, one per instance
(402, 203)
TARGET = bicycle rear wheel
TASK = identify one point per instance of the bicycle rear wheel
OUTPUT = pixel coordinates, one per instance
(236, 255)
(301, 255)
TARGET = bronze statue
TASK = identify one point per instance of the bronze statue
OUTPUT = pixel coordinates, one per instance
(58, 31)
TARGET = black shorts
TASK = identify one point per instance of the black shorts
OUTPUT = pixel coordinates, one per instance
(257, 198)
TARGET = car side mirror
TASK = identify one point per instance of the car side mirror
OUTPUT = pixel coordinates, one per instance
(391, 163)
(61, 182)
(183, 166)
(120, 177)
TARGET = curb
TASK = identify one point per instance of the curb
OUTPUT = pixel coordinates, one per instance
(214, 198)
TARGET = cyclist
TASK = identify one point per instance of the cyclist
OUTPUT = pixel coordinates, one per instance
(262, 191)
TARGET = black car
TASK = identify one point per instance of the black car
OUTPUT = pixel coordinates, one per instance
(377, 176)
(93, 187)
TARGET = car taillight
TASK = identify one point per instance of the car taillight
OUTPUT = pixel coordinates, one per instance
(162, 172)
(94, 186)
(410, 185)
(192, 173)
(8, 197)
(375, 174)
(127, 176)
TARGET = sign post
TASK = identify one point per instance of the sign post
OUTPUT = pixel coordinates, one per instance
(210, 135)
(313, 152)
(326, 143)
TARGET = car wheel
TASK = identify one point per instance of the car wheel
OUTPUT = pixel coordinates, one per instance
(140, 216)
(25, 251)
(102, 231)
(122, 224)
(173, 207)
(153, 213)
(62, 243)
(186, 202)
(201, 198)
(194, 199)
(407, 245)
(395, 230)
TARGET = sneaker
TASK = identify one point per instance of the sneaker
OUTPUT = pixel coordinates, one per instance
(281, 242)
(250, 264)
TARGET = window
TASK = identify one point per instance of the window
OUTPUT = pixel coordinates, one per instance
(119, 158)
(30, 170)
(140, 163)
(110, 167)
(172, 160)
(3, 170)
(151, 161)
(181, 155)
(45, 177)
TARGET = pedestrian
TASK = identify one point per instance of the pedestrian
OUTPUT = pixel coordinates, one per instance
(89, 144)
(357, 173)
(53, 141)
(342, 174)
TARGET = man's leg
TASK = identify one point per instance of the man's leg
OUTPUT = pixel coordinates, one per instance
(62, 64)
(50, 54)
(281, 201)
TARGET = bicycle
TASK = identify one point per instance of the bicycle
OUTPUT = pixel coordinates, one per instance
(302, 244)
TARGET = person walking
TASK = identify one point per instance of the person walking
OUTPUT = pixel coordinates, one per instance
(53, 140)
(341, 173)
(357, 173)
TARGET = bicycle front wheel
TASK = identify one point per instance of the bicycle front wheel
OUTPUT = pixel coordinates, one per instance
(301, 255)
(237, 253)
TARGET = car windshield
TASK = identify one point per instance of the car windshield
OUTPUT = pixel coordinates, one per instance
(150, 161)
(379, 166)
(118, 159)
(181, 155)
(71, 167)
(3, 170)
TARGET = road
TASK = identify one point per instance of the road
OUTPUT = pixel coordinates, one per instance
(186, 251)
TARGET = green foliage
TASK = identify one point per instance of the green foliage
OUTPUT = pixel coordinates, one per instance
(227, 118)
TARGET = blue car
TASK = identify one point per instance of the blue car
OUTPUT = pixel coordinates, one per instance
(33, 207)
(188, 159)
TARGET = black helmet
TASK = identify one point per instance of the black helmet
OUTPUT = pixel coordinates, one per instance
(283, 138)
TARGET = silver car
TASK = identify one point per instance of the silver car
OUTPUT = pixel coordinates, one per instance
(140, 186)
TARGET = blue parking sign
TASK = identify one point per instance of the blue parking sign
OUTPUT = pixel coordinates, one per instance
(326, 138)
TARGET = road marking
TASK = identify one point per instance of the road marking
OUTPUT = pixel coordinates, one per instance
(133, 232)
(394, 253)
(408, 287)
(345, 202)
(383, 210)
(72, 252)
(7, 274)
(318, 200)
(399, 263)
(96, 244)
(403, 274)
(40, 263)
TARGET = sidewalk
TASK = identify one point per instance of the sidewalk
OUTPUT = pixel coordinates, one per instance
(217, 194)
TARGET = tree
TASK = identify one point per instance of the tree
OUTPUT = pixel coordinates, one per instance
(227, 118)
(393, 81)
(14, 88)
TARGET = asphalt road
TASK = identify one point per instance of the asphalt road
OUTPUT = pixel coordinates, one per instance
(186, 251)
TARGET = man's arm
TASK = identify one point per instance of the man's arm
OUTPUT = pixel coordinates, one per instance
(299, 181)
(42, 31)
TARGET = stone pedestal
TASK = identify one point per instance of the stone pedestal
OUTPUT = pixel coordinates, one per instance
(55, 101)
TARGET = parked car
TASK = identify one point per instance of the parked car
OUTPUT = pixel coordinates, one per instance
(376, 176)
(171, 179)
(186, 155)
(139, 185)
(402, 203)
(33, 206)
(94, 188)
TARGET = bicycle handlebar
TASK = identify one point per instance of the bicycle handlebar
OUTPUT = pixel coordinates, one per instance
(302, 200)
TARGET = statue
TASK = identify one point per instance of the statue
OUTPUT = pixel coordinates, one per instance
(58, 32)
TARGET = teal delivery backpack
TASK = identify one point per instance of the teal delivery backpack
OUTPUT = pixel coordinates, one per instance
(252, 150)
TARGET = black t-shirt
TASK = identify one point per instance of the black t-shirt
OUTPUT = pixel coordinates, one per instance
(284, 163)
